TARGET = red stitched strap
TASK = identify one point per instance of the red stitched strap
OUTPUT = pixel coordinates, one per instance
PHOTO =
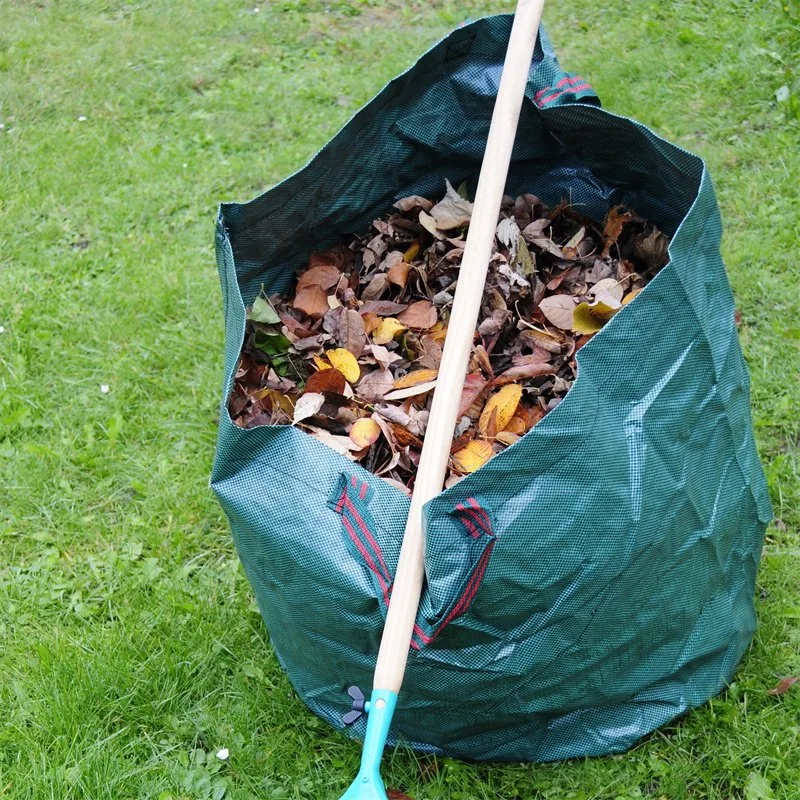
(358, 525)
(477, 524)
(569, 84)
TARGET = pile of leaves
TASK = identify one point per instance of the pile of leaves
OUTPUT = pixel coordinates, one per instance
(351, 355)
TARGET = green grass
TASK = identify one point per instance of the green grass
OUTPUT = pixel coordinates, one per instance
(130, 646)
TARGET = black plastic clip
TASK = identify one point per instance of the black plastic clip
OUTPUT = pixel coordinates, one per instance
(358, 708)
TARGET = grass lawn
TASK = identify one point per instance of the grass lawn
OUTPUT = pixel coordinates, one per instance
(130, 646)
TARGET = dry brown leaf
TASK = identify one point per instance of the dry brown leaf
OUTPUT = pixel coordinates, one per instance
(383, 308)
(376, 287)
(616, 220)
(473, 456)
(352, 335)
(398, 273)
(312, 301)
(452, 211)
(474, 386)
(365, 431)
(326, 380)
(404, 437)
(783, 686)
(413, 201)
(558, 309)
(374, 385)
(420, 315)
(501, 406)
(345, 362)
(326, 276)
(534, 369)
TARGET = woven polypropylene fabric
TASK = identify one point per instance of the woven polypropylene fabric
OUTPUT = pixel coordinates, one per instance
(604, 585)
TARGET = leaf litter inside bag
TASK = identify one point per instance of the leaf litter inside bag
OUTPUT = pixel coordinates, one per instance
(350, 355)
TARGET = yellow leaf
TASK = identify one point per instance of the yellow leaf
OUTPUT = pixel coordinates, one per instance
(414, 378)
(502, 405)
(583, 321)
(589, 318)
(321, 363)
(508, 438)
(387, 330)
(630, 296)
(343, 360)
(474, 455)
(365, 432)
(412, 251)
(438, 332)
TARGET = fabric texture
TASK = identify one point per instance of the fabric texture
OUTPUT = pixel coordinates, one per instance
(594, 580)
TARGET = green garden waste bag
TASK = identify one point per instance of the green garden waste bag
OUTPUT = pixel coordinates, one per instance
(594, 580)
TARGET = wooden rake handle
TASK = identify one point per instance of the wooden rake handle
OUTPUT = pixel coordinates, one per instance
(407, 587)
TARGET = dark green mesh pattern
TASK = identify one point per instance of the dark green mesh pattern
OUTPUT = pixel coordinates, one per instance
(629, 522)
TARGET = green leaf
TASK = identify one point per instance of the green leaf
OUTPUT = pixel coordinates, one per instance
(758, 788)
(272, 343)
(262, 311)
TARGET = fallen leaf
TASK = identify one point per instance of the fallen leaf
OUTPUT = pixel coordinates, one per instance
(413, 201)
(616, 219)
(501, 406)
(412, 251)
(387, 330)
(398, 273)
(312, 301)
(473, 456)
(374, 385)
(411, 391)
(590, 317)
(583, 321)
(610, 286)
(652, 249)
(474, 386)
(343, 445)
(783, 686)
(405, 438)
(452, 211)
(543, 339)
(352, 336)
(524, 260)
(415, 377)
(326, 380)
(507, 437)
(419, 316)
(383, 308)
(558, 309)
(631, 296)
(758, 788)
(262, 311)
(325, 276)
(307, 406)
(429, 223)
(523, 372)
(375, 288)
(365, 431)
(345, 362)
